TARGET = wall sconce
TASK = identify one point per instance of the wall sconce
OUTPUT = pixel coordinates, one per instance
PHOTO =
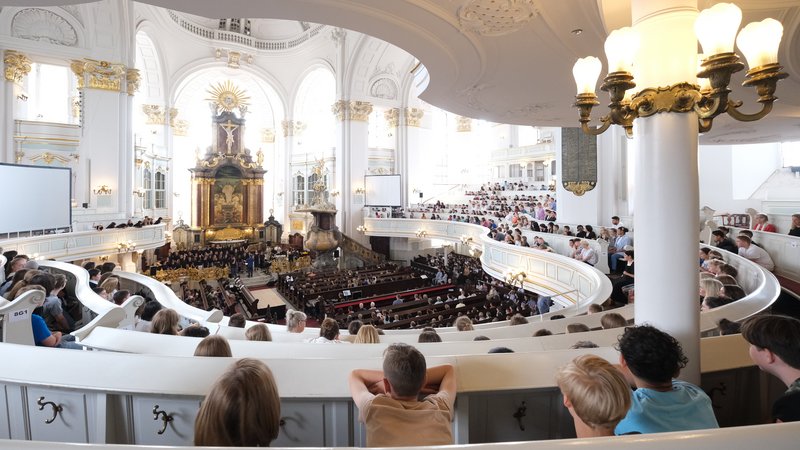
(125, 247)
(466, 239)
(415, 191)
(361, 229)
(421, 233)
(360, 191)
(102, 190)
(715, 29)
(138, 192)
(334, 193)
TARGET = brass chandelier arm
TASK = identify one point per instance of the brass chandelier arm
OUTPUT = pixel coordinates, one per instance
(596, 131)
(733, 111)
(710, 107)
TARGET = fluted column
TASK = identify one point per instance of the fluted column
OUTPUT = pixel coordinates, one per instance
(353, 129)
(420, 180)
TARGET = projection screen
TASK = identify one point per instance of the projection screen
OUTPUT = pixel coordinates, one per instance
(36, 198)
(382, 190)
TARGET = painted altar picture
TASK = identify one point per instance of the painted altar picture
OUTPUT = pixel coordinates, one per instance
(228, 204)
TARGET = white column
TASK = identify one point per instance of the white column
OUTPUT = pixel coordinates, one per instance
(415, 137)
(357, 126)
(7, 121)
(667, 209)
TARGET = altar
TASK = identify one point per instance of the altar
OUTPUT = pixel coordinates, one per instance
(227, 180)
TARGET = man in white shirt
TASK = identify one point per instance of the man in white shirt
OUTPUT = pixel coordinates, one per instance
(754, 253)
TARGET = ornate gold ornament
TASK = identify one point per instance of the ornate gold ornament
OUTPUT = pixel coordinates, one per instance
(17, 66)
(228, 96)
(268, 135)
(392, 116)
(414, 116)
(579, 187)
(464, 124)
(339, 109)
(48, 158)
(360, 111)
(133, 79)
(173, 117)
(180, 128)
(98, 74)
(155, 114)
(18, 155)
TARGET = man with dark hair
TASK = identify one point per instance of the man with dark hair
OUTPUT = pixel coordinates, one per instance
(236, 320)
(650, 359)
(94, 278)
(722, 241)
(388, 402)
(774, 348)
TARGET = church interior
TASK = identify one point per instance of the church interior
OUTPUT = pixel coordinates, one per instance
(184, 178)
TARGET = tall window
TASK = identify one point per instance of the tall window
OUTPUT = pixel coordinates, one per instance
(161, 190)
(515, 171)
(529, 170)
(299, 189)
(50, 94)
(539, 171)
(147, 185)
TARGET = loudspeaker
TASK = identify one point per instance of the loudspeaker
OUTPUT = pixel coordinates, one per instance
(85, 205)
(420, 195)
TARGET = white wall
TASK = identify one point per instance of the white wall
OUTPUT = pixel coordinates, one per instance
(729, 175)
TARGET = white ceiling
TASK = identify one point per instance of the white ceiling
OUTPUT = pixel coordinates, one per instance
(520, 70)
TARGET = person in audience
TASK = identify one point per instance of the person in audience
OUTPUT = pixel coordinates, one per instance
(367, 334)
(726, 280)
(612, 320)
(52, 312)
(42, 336)
(328, 333)
(102, 293)
(774, 348)
(617, 252)
(388, 402)
(517, 319)
(149, 309)
(577, 328)
(213, 346)
(481, 338)
(754, 253)
(584, 344)
(712, 302)
(195, 330)
(588, 255)
(594, 308)
(727, 327)
(596, 395)
(354, 326)
(110, 284)
(119, 297)
(236, 321)
(795, 229)
(557, 317)
(727, 269)
(94, 277)
(650, 359)
(628, 277)
(762, 224)
(295, 321)
(542, 332)
(615, 222)
(722, 241)
(15, 265)
(20, 279)
(500, 350)
(464, 323)
(243, 408)
(429, 335)
(165, 322)
(709, 288)
(259, 332)
(732, 291)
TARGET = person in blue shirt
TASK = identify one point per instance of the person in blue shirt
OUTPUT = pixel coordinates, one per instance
(650, 359)
(42, 336)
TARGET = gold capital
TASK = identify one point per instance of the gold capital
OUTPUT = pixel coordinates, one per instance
(414, 116)
(98, 74)
(464, 124)
(133, 79)
(392, 117)
(17, 66)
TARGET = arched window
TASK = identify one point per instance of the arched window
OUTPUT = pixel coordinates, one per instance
(147, 185)
(161, 190)
(529, 170)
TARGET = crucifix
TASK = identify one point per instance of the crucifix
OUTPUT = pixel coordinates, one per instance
(229, 128)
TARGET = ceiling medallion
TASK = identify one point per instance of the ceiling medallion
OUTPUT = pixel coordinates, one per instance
(228, 96)
(496, 17)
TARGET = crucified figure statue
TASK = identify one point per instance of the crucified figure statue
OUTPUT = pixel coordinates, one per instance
(229, 128)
